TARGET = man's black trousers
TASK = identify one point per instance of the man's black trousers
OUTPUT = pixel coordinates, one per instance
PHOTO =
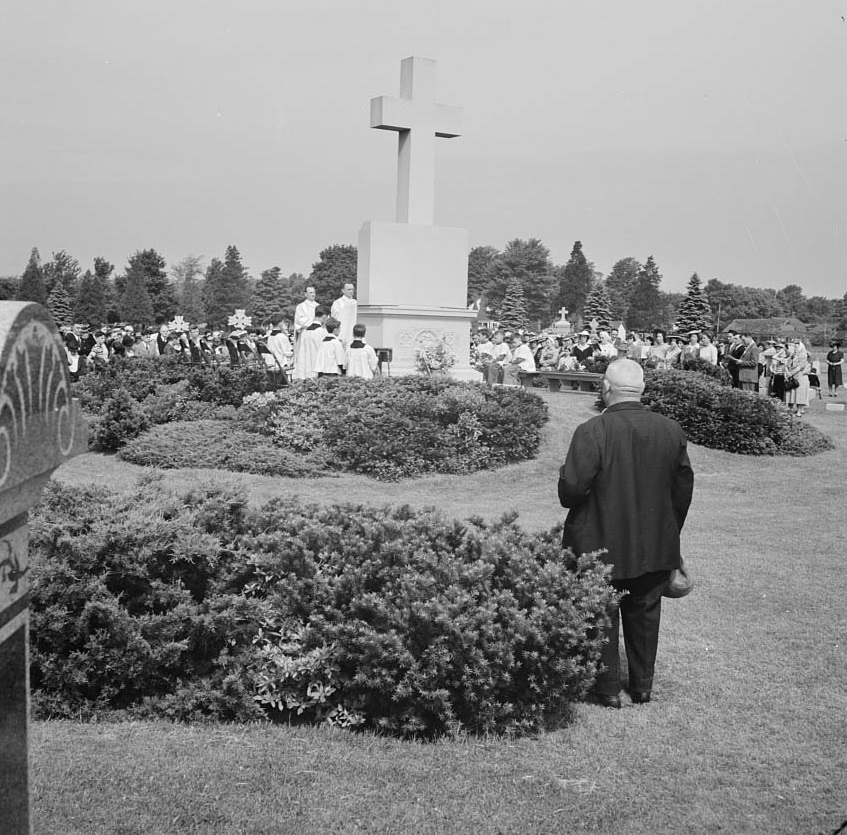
(639, 613)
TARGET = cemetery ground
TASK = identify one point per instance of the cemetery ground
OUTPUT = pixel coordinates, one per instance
(745, 733)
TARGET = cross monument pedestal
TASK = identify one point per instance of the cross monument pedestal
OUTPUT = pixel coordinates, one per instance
(412, 276)
(40, 428)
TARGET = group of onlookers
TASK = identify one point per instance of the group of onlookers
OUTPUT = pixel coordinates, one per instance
(781, 369)
(322, 344)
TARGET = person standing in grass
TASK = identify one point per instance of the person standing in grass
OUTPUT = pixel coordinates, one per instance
(628, 483)
(834, 363)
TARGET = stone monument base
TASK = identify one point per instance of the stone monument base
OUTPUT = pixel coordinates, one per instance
(404, 329)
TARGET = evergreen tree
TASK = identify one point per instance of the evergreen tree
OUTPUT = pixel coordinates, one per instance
(90, 307)
(335, 267)
(842, 314)
(598, 306)
(64, 268)
(32, 287)
(528, 262)
(9, 285)
(60, 305)
(620, 284)
(645, 310)
(513, 309)
(694, 313)
(111, 297)
(267, 297)
(226, 289)
(135, 304)
(158, 286)
(575, 282)
(479, 261)
(189, 289)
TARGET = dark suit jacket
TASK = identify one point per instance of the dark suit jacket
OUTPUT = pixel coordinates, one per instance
(628, 483)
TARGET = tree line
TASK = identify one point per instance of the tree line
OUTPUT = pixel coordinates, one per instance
(519, 286)
(522, 281)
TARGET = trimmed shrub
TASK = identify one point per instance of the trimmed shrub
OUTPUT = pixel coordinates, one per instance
(136, 605)
(218, 445)
(716, 372)
(393, 428)
(407, 622)
(730, 419)
(120, 419)
(193, 605)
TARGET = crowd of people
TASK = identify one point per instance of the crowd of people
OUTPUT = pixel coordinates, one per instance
(319, 342)
(781, 369)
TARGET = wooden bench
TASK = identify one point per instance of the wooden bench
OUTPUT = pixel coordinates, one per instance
(556, 378)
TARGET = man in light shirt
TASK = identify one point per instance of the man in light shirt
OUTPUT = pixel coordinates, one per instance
(522, 360)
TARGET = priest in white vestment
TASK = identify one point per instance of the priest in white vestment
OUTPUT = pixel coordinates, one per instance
(304, 313)
(346, 309)
(308, 345)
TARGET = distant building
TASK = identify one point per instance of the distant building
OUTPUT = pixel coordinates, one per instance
(778, 327)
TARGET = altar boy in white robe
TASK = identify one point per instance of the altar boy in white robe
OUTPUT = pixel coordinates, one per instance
(331, 355)
(361, 357)
(308, 346)
(345, 309)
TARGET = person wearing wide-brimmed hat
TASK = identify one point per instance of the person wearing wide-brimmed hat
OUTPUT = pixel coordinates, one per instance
(834, 362)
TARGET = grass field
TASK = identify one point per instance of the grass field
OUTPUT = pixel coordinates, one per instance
(746, 732)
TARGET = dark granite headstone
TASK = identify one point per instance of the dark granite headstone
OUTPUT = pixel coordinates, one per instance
(40, 428)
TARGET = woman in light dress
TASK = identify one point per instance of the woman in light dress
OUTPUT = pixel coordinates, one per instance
(797, 367)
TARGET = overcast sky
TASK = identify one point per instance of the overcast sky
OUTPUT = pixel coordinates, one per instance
(709, 133)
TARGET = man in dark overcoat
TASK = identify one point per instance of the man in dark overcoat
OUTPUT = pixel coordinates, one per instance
(628, 483)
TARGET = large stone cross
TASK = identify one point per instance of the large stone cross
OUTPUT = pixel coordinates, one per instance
(419, 119)
(40, 427)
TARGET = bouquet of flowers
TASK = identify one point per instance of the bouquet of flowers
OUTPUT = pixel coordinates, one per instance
(435, 357)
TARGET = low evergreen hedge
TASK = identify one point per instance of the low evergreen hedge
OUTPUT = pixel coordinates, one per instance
(215, 444)
(195, 606)
(393, 428)
(721, 417)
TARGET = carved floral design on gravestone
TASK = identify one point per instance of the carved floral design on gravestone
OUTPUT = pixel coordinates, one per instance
(35, 400)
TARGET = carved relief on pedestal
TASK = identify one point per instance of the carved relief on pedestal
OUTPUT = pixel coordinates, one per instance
(425, 337)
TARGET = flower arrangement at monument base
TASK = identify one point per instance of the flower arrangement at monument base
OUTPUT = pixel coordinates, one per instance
(435, 358)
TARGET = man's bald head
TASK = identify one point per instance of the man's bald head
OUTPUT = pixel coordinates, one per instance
(624, 380)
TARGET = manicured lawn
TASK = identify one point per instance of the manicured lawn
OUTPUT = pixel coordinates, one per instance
(746, 732)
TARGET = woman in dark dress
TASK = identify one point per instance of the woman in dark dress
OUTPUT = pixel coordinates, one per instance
(834, 361)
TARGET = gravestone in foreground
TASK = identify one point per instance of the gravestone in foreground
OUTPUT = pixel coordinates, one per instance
(40, 428)
(413, 276)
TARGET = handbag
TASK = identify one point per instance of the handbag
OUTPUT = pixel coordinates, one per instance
(680, 583)
(791, 383)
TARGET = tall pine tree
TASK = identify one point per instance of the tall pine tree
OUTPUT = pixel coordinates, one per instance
(694, 313)
(189, 289)
(135, 304)
(227, 288)
(620, 284)
(103, 275)
(513, 315)
(65, 268)
(479, 261)
(60, 305)
(645, 309)
(157, 284)
(90, 307)
(32, 287)
(598, 306)
(267, 297)
(575, 282)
